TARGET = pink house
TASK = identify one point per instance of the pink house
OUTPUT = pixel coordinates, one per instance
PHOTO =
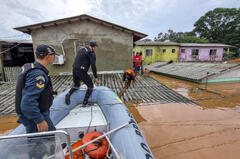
(201, 52)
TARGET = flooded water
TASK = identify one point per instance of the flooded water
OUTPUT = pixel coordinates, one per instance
(178, 131)
(220, 95)
(7, 123)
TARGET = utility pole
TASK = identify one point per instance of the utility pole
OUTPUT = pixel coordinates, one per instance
(206, 81)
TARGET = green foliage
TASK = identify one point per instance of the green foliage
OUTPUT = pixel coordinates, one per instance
(229, 55)
(191, 39)
(220, 25)
(181, 37)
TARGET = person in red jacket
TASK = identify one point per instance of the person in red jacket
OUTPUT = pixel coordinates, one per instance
(137, 62)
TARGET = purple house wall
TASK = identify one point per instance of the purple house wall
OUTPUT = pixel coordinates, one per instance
(201, 52)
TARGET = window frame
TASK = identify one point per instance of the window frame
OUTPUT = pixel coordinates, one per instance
(193, 53)
(147, 52)
(213, 51)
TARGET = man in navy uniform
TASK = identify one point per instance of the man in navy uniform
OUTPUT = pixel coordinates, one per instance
(85, 57)
(34, 92)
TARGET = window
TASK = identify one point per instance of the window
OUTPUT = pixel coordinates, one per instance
(158, 48)
(78, 44)
(195, 52)
(182, 50)
(173, 50)
(164, 50)
(149, 52)
(213, 52)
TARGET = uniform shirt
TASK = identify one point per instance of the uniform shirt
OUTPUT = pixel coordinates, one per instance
(85, 57)
(35, 82)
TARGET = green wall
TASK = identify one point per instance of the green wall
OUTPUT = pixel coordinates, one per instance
(157, 53)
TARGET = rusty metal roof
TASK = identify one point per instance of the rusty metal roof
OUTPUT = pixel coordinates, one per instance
(146, 90)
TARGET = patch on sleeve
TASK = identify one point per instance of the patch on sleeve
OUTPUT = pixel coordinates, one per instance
(40, 81)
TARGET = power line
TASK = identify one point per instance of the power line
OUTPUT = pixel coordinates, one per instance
(9, 48)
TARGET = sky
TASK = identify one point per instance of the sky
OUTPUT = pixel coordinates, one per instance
(146, 16)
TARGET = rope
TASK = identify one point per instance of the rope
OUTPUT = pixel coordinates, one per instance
(90, 121)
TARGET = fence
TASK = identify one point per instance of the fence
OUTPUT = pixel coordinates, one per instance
(11, 73)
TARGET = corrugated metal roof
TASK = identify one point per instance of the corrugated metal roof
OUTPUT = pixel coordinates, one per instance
(145, 90)
(204, 45)
(154, 43)
(157, 43)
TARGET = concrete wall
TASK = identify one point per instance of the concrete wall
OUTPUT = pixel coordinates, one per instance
(114, 51)
(158, 54)
(204, 54)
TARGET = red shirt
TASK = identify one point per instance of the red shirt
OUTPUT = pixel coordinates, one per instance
(137, 60)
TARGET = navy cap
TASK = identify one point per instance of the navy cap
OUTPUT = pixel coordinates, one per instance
(93, 43)
(44, 50)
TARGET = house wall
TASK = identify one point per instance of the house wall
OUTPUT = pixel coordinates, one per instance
(157, 53)
(114, 51)
(204, 54)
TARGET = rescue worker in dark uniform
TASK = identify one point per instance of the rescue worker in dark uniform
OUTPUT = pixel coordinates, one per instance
(128, 77)
(85, 57)
(34, 92)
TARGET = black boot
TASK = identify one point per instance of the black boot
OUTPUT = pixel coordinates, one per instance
(67, 97)
(84, 103)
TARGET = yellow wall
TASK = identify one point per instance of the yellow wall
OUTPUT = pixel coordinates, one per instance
(157, 53)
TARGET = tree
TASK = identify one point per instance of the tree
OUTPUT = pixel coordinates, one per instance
(191, 39)
(181, 37)
(171, 35)
(220, 25)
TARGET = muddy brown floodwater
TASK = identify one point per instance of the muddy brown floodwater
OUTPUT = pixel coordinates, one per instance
(179, 131)
(7, 123)
(209, 130)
